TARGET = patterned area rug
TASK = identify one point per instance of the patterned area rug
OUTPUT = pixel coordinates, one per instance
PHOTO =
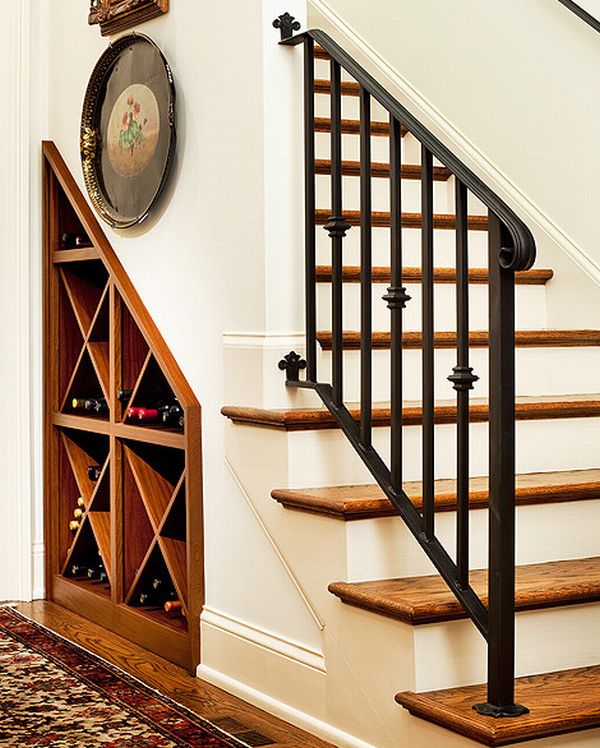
(53, 693)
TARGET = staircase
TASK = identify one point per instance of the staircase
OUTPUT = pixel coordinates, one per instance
(391, 597)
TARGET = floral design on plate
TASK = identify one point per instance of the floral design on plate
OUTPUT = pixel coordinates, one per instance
(133, 130)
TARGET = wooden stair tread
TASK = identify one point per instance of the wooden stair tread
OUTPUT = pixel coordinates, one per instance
(380, 169)
(428, 599)
(367, 501)
(349, 88)
(477, 339)
(559, 702)
(381, 274)
(381, 219)
(352, 127)
(527, 408)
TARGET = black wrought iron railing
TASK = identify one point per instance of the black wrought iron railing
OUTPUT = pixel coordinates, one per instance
(582, 13)
(511, 248)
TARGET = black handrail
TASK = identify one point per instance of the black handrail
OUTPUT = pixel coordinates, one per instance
(583, 14)
(511, 248)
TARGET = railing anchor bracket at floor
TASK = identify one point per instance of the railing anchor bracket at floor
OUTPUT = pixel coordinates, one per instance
(490, 710)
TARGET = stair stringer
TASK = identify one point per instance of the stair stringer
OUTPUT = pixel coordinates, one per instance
(365, 655)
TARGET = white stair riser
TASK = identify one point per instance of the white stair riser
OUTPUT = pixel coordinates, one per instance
(380, 194)
(444, 247)
(443, 193)
(326, 458)
(454, 653)
(539, 371)
(384, 548)
(530, 307)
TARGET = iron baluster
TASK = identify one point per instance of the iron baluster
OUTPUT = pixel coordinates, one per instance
(396, 298)
(366, 280)
(428, 402)
(337, 227)
(462, 379)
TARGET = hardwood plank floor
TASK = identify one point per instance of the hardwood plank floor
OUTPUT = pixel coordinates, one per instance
(223, 709)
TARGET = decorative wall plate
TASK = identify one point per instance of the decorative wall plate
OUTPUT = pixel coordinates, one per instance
(128, 130)
(118, 15)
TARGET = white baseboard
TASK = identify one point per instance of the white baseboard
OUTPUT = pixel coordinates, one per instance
(38, 564)
(267, 640)
(279, 709)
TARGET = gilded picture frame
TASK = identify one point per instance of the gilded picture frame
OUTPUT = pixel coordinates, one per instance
(114, 16)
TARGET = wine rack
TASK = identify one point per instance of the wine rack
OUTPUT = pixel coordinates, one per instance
(123, 491)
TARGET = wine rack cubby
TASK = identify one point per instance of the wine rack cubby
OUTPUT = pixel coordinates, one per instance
(123, 457)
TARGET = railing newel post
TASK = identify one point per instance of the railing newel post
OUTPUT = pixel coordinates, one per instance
(501, 565)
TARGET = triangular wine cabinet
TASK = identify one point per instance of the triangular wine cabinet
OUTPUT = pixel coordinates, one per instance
(123, 471)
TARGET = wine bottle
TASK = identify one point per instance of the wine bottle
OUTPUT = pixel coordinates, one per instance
(173, 608)
(142, 414)
(91, 404)
(103, 577)
(78, 570)
(96, 405)
(73, 526)
(78, 513)
(124, 395)
(148, 415)
(80, 502)
(94, 572)
(145, 598)
(94, 472)
(71, 240)
(172, 415)
(157, 584)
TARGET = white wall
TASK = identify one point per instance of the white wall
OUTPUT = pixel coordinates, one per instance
(219, 254)
(513, 83)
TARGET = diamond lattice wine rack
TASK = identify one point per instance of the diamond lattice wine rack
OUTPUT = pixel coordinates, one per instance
(123, 469)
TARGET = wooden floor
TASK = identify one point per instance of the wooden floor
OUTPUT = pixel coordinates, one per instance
(228, 712)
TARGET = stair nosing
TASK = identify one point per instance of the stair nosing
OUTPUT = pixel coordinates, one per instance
(547, 717)
(358, 594)
(382, 274)
(314, 500)
(380, 169)
(477, 339)
(299, 419)
(381, 219)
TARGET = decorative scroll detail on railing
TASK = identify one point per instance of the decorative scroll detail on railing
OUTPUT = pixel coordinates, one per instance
(511, 247)
(286, 24)
(292, 364)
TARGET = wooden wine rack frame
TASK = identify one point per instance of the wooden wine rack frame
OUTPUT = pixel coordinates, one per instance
(143, 516)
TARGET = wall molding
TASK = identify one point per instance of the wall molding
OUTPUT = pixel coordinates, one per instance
(366, 55)
(290, 572)
(280, 709)
(296, 652)
(262, 339)
(16, 538)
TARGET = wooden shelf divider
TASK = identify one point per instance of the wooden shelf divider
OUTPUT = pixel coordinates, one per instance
(140, 518)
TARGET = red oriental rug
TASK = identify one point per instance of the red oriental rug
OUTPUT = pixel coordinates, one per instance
(53, 693)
